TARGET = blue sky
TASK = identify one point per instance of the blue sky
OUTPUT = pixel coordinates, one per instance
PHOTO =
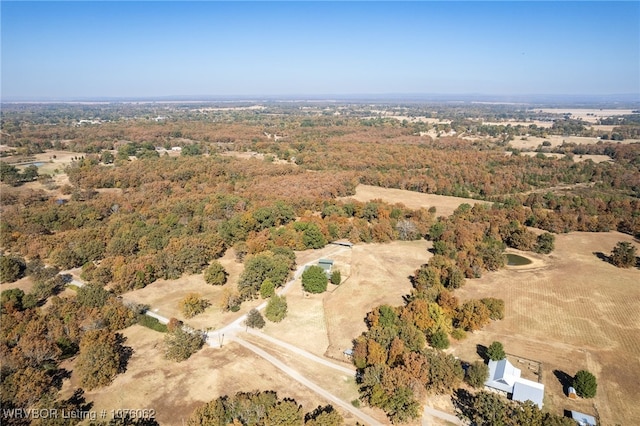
(145, 49)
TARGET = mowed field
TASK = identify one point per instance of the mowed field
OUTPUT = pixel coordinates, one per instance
(444, 205)
(570, 310)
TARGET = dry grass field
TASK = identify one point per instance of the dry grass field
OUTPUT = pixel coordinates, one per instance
(589, 115)
(533, 142)
(444, 205)
(372, 274)
(570, 311)
(174, 390)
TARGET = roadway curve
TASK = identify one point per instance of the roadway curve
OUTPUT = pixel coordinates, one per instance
(308, 383)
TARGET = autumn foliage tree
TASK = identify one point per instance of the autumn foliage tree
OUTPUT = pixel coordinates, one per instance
(100, 358)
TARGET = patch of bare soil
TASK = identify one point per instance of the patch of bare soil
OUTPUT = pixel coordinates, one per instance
(25, 284)
(444, 205)
(570, 312)
(175, 390)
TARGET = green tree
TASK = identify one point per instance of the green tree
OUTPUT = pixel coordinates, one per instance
(545, 243)
(276, 309)
(495, 351)
(260, 267)
(193, 305)
(267, 289)
(336, 277)
(99, 359)
(623, 255)
(11, 268)
(215, 274)
(12, 296)
(477, 373)
(489, 409)
(254, 319)
(313, 238)
(180, 344)
(92, 296)
(314, 279)
(585, 384)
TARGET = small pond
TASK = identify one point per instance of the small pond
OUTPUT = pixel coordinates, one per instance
(515, 260)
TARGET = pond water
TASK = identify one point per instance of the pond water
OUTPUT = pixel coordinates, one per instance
(515, 260)
(34, 163)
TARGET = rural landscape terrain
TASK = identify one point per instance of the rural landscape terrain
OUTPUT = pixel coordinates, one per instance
(320, 262)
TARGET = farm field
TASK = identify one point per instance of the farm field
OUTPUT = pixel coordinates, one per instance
(588, 114)
(574, 312)
(444, 205)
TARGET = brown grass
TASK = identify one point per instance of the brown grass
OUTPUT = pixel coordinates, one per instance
(444, 205)
(574, 312)
(175, 390)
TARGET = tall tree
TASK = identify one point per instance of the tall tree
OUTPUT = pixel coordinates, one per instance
(100, 358)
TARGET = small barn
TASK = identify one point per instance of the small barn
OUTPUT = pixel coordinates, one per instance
(326, 265)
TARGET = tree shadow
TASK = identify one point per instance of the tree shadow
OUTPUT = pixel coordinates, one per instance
(125, 353)
(565, 380)
(481, 350)
(600, 255)
(78, 400)
(462, 402)
(59, 375)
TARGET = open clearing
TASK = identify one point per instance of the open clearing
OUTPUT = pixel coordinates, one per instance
(175, 390)
(444, 205)
(533, 142)
(574, 312)
(590, 115)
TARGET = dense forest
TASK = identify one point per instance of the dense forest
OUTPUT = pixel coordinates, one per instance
(131, 214)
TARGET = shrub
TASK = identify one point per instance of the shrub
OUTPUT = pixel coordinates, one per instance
(276, 308)
(336, 277)
(439, 340)
(314, 279)
(585, 384)
(254, 319)
(193, 305)
(459, 334)
(215, 274)
(495, 351)
(152, 323)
